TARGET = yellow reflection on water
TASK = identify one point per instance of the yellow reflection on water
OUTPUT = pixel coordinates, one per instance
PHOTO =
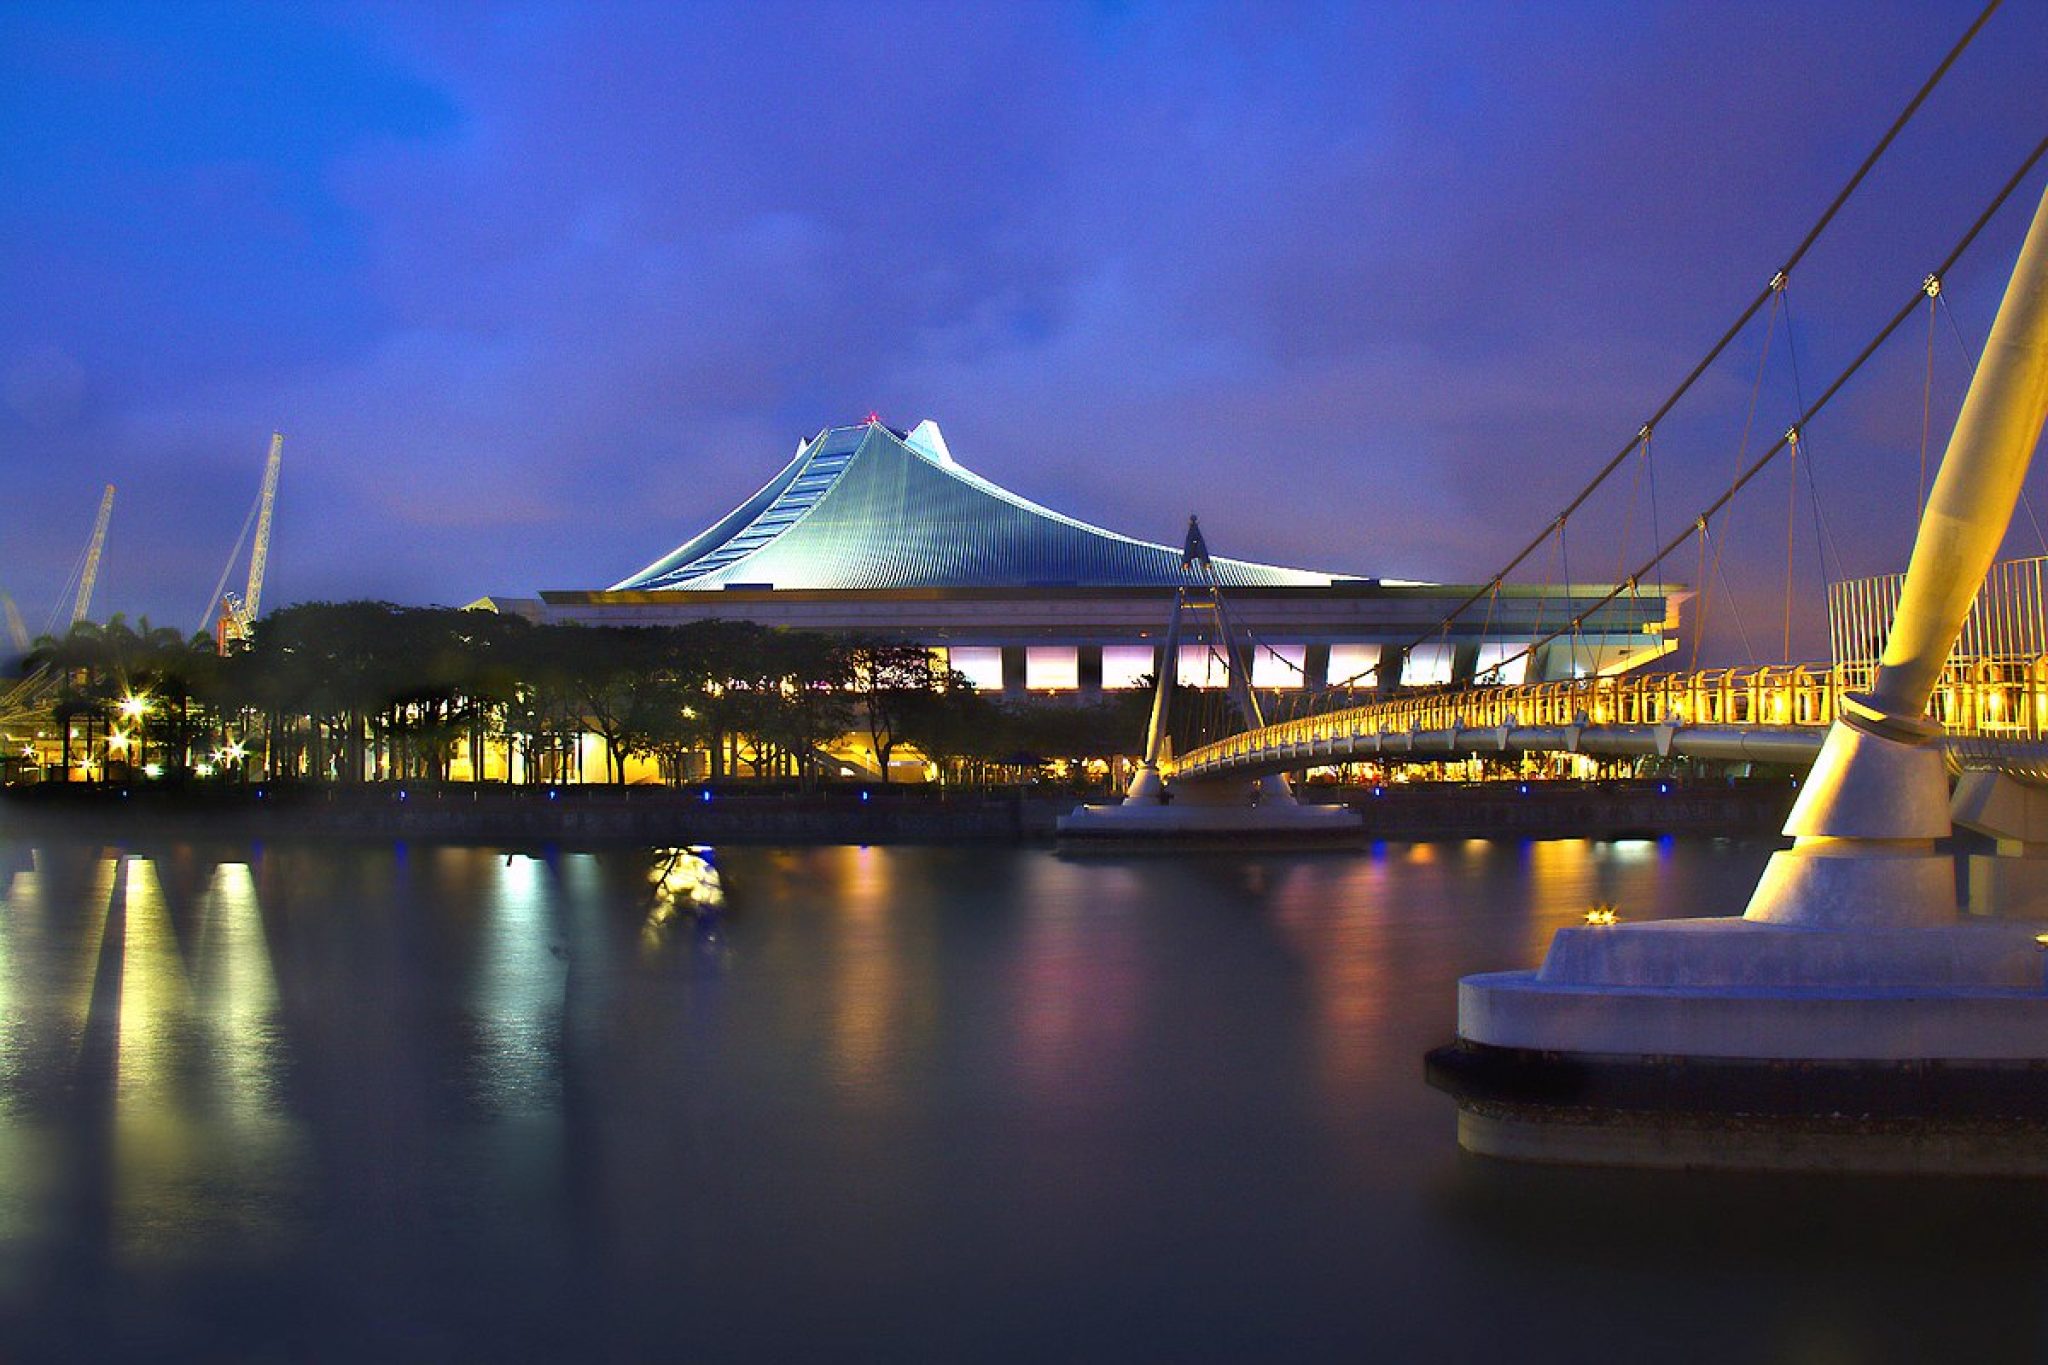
(156, 1148)
(867, 979)
(1564, 882)
(85, 968)
(196, 1108)
(683, 883)
(156, 996)
(238, 989)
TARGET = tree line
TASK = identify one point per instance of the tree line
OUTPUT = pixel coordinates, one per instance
(355, 691)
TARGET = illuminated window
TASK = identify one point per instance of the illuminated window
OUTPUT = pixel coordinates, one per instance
(1428, 666)
(1051, 668)
(1203, 666)
(981, 664)
(1491, 663)
(1278, 666)
(1348, 662)
(1125, 666)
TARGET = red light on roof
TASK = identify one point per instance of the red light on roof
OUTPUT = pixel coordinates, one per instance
(874, 418)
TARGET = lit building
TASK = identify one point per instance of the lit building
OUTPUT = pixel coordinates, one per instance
(872, 531)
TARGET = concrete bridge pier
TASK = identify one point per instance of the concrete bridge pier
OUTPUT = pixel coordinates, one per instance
(2012, 882)
(1156, 805)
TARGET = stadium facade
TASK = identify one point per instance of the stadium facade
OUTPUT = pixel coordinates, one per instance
(874, 531)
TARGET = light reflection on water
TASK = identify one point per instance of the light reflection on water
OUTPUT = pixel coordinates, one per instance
(518, 989)
(948, 1103)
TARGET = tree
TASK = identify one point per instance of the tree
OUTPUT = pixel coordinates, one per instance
(889, 679)
(951, 723)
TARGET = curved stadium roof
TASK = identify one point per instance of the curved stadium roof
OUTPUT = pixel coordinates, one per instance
(867, 507)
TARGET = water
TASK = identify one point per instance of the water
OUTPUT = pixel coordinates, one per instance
(435, 1103)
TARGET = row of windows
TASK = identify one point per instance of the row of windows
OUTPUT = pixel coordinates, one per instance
(1056, 668)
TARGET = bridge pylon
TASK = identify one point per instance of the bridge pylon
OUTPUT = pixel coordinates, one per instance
(1159, 804)
(1911, 1031)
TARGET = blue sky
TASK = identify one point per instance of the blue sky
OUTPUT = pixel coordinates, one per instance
(537, 291)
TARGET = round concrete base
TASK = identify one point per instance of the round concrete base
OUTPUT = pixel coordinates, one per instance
(1948, 1118)
(1736, 988)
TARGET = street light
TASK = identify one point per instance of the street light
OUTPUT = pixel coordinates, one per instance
(134, 707)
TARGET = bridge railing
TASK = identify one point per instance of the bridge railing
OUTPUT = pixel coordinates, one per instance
(1988, 699)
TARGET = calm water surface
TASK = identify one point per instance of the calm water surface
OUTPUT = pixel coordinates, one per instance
(436, 1103)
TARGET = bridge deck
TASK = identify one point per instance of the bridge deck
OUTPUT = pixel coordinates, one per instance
(1994, 712)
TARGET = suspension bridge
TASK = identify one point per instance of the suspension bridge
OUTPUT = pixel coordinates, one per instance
(1853, 1016)
(1990, 702)
(1985, 706)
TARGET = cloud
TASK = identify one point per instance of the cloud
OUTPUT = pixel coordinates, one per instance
(538, 292)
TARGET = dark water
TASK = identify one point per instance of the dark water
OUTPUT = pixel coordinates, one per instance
(432, 1103)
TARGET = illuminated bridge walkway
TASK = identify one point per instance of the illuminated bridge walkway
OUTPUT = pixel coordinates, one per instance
(1994, 712)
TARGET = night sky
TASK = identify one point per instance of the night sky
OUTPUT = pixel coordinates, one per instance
(537, 291)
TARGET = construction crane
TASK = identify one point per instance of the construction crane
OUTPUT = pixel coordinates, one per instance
(237, 615)
(17, 630)
(91, 572)
(27, 701)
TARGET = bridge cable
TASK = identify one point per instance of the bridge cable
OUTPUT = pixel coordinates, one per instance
(1883, 335)
(1933, 289)
(1769, 290)
(1565, 561)
(1741, 627)
(1791, 525)
(1699, 620)
(1823, 534)
(1756, 389)
(1650, 476)
(1628, 521)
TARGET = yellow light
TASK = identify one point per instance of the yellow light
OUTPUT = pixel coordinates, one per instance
(1602, 915)
(117, 743)
(133, 706)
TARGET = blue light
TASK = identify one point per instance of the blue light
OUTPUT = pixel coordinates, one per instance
(863, 796)
(1525, 789)
(401, 794)
(707, 793)
(1663, 789)
(1379, 791)
(553, 794)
